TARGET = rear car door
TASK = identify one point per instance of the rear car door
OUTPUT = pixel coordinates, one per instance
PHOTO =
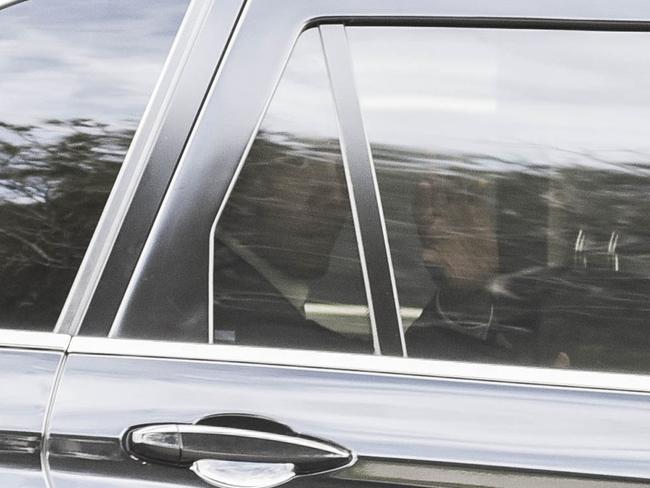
(68, 111)
(339, 269)
(29, 364)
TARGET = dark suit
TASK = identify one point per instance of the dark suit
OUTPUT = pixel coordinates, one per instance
(433, 335)
(249, 310)
(599, 318)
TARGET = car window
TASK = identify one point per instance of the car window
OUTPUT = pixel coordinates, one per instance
(514, 169)
(76, 77)
(286, 267)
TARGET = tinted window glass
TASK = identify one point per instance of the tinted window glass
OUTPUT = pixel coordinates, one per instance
(514, 169)
(76, 77)
(286, 264)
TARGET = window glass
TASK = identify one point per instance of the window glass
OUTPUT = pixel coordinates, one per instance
(286, 264)
(514, 171)
(76, 77)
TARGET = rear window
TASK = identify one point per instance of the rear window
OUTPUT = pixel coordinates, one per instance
(514, 171)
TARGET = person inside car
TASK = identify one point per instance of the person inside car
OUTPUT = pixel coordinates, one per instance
(274, 238)
(277, 233)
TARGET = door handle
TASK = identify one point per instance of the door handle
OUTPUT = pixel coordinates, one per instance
(231, 457)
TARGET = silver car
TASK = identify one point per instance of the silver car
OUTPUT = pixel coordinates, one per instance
(253, 243)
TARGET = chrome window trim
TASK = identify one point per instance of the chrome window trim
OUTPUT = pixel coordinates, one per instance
(129, 176)
(47, 418)
(127, 180)
(222, 206)
(160, 118)
(8, 3)
(367, 211)
(178, 214)
(29, 339)
(405, 473)
(363, 363)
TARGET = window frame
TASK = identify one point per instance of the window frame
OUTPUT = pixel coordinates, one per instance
(142, 182)
(291, 17)
(153, 136)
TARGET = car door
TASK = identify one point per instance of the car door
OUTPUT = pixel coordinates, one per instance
(215, 345)
(29, 364)
(68, 112)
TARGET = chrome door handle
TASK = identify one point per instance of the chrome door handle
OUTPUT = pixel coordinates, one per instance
(230, 457)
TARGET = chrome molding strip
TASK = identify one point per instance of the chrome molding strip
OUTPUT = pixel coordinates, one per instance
(216, 26)
(543, 377)
(139, 435)
(367, 212)
(149, 164)
(403, 473)
(219, 142)
(224, 202)
(47, 419)
(130, 174)
(27, 339)
(8, 3)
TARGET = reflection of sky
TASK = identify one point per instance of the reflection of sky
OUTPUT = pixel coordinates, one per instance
(535, 96)
(302, 103)
(25, 381)
(97, 59)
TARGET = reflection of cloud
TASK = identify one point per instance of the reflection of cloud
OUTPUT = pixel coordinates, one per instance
(546, 97)
(428, 103)
(516, 96)
(100, 59)
(302, 104)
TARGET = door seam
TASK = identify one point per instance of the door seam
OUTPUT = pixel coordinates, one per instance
(45, 465)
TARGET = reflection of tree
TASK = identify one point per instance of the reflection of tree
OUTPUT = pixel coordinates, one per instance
(538, 208)
(54, 180)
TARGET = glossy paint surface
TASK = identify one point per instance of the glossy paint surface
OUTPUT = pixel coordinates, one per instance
(26, 379)
(407, 431)
(376, 416)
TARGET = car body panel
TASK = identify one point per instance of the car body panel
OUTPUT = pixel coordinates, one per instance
(377, 416)
(26, 380)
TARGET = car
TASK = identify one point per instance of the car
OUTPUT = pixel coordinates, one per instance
(254, 243)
